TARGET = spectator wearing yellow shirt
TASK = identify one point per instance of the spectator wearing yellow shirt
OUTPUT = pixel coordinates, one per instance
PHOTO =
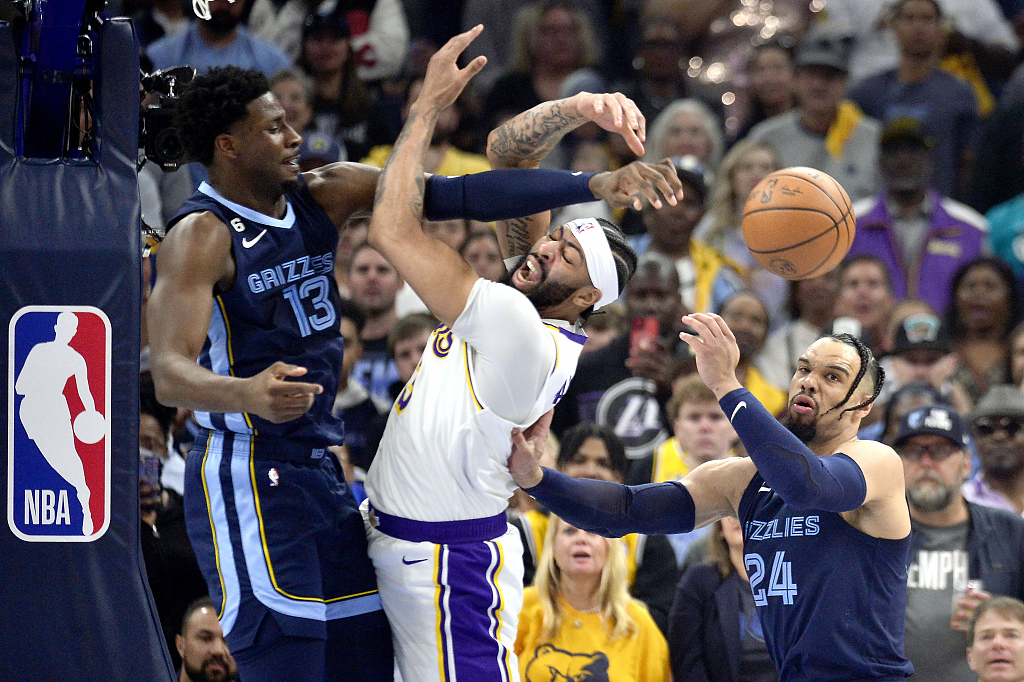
(578, 620)
(747, 317)
(442, 158)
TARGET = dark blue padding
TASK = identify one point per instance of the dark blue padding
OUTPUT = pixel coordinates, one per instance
(69, 235)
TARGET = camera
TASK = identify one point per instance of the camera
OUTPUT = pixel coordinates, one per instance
(157, 135)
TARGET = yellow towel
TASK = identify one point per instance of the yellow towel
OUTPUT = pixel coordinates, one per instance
(847, 118)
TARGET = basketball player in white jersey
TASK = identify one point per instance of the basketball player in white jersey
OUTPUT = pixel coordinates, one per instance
(449, 567)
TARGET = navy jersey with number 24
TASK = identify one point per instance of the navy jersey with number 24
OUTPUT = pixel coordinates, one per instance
(282, 306)
(832, 599)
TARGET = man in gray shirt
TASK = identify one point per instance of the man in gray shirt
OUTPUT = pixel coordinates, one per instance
(960, 553)
(825, 131)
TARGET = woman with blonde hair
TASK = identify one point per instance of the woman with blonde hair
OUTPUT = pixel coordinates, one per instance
(578, 617)
(746, 164)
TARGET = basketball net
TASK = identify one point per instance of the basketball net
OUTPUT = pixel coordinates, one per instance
(202, 8)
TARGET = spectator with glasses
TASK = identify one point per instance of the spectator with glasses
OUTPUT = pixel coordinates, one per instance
(998, 427)
(961, 553)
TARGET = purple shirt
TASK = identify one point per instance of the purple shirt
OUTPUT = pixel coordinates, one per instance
(976, 490)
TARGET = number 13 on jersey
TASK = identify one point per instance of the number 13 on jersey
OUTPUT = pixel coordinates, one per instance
(780, 581)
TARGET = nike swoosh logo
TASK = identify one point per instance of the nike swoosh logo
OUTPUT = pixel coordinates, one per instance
(764, 489)
(410, 563)
(249, 242)
(576, 173)
(741, 405)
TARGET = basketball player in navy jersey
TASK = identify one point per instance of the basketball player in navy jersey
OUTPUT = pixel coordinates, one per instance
(825, 519)
(245, 286)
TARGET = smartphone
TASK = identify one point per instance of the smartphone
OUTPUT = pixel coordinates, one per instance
(643, 330)
(150, 468)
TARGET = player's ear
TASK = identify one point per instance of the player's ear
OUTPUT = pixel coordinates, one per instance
(179, 644)
(586, 296)
(226, 144)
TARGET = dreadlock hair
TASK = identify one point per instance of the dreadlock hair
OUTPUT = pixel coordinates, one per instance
(211, 103)
(868, 363)
(625, 258)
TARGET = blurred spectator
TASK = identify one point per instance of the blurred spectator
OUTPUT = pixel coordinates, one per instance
(594, 451)
(918, 89)
(714, 631)
(364, 415)
(985, 305)
(201, 647)
(922, 352)
(953, 542)
(482, 252)
(380, 34)
(625, 384)
(294, 90)
(705, 278)
(746, 164)
(995, 640)
(687, 127)
(1006, 233)
(578, 618)
(997, 165)
(406, 343)
(1017, 356)
(979, 36)
(659, 68)
(342, 103)
(218, 41)
(442, 157)
(159, 18)
(771, 88)
(552, 39)
(171, 566)
(352, 236)
(374, 283)
(591, 156)
(747, 317)
(865, 294)
(811, 307)
(906, 398)
(997, 424)
(825, 131)
(601, 329)
(920, 235)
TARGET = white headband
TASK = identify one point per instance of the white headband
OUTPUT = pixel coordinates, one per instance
(600, 261)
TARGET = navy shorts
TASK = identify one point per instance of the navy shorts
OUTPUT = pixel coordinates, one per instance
(280, 538)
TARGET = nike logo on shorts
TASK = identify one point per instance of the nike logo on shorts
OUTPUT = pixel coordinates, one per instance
(764, 489)
(249, 242)
(741, 405)
(410, 563)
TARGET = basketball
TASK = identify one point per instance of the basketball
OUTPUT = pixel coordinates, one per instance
(798, 223)
(90, 426)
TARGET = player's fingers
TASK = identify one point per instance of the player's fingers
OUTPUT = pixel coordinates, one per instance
(634, 119)
(634, 143)
(704, 334)
(296, 389)
(539, 429)
(615, 110)
(472, 69)
(668, 163)
(658, 177)
(461, 41)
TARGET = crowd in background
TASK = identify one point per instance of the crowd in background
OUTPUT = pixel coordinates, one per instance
(915, 106)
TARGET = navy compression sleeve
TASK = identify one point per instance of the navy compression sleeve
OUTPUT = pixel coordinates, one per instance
(614, 510)
(502, 194)
(804, 480)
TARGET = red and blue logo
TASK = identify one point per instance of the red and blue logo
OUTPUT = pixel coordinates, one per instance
(58, 449)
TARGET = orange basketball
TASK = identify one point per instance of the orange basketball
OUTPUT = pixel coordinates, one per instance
(798, 223)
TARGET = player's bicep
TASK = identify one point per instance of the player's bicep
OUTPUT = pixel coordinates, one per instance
(717, 488)
(882, 470)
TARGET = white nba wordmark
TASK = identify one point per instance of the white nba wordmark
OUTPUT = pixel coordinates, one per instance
(44, 410)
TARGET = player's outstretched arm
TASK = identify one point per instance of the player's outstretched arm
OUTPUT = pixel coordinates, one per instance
(525, 140)
(434, 270)
(193, 259)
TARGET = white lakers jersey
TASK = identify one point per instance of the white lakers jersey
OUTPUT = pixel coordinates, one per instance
(444, 453)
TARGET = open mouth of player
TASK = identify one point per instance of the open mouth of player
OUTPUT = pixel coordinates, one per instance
(292, 162)
(803, 405)
(531, 271)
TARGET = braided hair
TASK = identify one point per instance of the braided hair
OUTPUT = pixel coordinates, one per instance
(868, 363)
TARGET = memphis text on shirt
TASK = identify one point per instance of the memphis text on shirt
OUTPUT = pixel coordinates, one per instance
(794, 526)
(289, 271)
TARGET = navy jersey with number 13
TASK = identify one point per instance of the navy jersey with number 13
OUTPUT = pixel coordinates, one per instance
(832, 599)
(282, 305)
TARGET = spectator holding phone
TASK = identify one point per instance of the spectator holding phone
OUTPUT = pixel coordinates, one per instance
(171, 565)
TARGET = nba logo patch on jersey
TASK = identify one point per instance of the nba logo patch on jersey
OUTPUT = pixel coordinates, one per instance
(58, 440)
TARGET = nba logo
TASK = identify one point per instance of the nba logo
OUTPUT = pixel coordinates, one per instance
(58, 442)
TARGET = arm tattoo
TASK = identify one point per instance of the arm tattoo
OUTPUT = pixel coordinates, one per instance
(533, 134)
(517, 233)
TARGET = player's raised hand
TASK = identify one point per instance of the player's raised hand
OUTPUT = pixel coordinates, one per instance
(444, 80)
(616, 113)
(277, 399)
(527, 450)
(629, 185)
(715, 350)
